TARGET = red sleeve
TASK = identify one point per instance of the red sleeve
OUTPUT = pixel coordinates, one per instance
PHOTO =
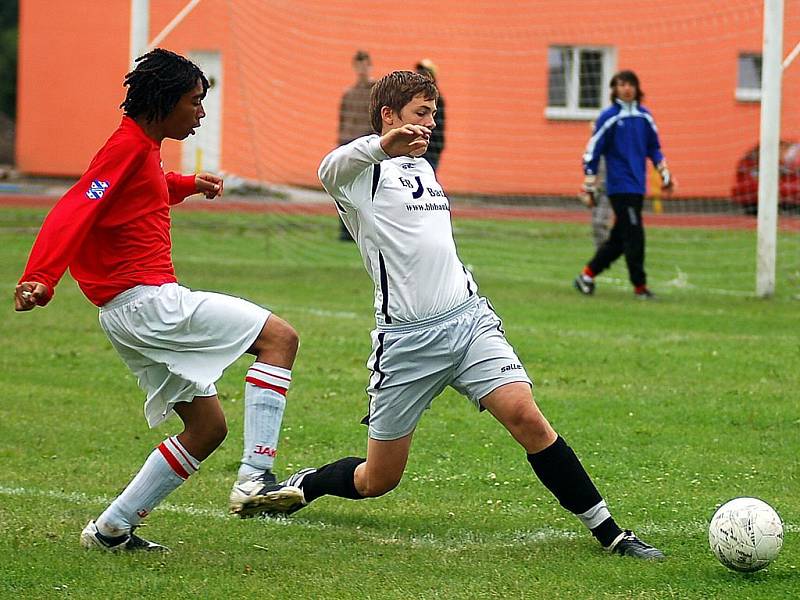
(71, 219)
(180, 186)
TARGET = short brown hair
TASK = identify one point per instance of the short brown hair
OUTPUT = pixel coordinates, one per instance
(395, 90)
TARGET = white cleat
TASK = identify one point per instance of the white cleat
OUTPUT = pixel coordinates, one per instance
(271, 498)
(249, 498)
(244, 490)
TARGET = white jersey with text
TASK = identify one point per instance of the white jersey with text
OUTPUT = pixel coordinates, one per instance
(399, 216)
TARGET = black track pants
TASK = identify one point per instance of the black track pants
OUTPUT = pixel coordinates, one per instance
(627, 237)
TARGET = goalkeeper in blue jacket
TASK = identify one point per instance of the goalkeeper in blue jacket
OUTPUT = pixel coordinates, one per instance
(626, 135)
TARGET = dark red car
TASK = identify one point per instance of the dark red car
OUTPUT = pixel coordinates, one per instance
(745, 190)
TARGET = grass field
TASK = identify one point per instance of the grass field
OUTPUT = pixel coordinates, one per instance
(675, 406)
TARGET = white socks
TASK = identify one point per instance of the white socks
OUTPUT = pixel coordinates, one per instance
(264, 402)
(168, 466)
(595, 515)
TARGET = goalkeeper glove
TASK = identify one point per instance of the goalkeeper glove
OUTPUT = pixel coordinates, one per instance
(667, 182)
(588, 190)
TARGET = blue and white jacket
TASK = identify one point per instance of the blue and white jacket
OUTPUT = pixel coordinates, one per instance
(626, 134)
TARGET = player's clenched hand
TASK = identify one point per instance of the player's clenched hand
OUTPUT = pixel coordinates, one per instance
(408, 140)
(30, 294)
(209, 185)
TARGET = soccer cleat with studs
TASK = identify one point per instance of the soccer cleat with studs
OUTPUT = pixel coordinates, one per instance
(245, 490)
(644, 294)
(584, 284)
(129, 542)
(284, 499)
(627, 544)
(263, 495)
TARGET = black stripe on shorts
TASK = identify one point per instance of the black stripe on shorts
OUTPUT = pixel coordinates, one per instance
(384, 289)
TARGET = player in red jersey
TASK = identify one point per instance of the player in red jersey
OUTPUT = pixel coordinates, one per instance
(112, 230)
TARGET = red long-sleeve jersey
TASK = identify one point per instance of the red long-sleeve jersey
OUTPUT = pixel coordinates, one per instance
(112, 228)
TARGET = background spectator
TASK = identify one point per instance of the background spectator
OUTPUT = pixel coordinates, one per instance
(354, 111)
(427, 67)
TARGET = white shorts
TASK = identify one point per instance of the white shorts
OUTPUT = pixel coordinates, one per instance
(178, 342)
(412, 363)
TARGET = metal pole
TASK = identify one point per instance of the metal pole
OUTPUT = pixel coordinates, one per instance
(176, 20)
(140, 28)
(769, 147)
(790, 58)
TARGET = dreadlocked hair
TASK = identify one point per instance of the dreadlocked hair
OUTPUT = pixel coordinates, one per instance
(157, 83)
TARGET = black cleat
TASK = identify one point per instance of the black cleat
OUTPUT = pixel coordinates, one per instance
(129, 542)
(627, 544)
(584, 284)
(644, 294)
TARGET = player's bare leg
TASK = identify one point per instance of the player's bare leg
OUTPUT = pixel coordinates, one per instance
(513, 405)
(167, 467)
(559, 469)
(204, 426)
(276, 344)
(384, 467)
(350, 477)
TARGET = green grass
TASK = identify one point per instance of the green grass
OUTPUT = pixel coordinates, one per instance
(674, 406)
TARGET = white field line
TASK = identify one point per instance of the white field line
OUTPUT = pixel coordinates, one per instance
(460, 540)
(337, 314)
(320, 312)
(675, 285)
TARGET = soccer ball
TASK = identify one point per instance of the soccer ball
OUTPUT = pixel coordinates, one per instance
(745, 534)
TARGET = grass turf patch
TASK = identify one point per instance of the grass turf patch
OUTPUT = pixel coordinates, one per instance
(674, 407)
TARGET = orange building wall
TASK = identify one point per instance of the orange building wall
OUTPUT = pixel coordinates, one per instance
(286, 64)
(69, 82)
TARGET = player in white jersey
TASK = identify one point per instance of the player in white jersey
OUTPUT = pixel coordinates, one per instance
(433, 330)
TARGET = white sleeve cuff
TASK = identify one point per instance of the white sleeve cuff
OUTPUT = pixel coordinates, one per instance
(374, 149)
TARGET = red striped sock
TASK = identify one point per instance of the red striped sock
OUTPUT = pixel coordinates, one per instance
(178, 458)
(167, 467)
(264, 403)
(269, 377)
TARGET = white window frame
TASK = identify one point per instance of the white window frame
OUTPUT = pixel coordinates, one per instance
(571, 112)
(747, 94)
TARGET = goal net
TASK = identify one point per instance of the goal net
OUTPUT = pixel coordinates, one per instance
(523, 83)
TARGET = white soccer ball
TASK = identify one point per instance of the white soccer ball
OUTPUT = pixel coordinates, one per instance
(745, 534)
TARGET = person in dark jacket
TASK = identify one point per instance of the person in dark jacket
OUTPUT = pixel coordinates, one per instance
(436, 144)
(354, 112)
(625, 134)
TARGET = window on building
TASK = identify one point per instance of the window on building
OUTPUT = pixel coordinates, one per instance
(748, 77)
(577, 81)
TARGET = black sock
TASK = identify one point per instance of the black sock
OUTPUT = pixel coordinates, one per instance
(335, 479)
(562, 473)
(606, 532)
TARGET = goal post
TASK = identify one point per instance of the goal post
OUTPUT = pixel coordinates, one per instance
(140, 29)
(140, 41)
(769, 147)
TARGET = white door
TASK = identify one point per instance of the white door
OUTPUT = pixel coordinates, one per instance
(202, 151)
